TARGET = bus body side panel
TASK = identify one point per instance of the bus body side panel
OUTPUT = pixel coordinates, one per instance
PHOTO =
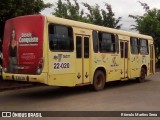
(61, 65)
(137, 61)
(57, 75)
(110, 62)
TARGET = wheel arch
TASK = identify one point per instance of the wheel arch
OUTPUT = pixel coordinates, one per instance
(102, 69)
(145, 67)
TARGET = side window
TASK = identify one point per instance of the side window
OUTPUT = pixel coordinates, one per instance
(143, 46)
(116, 43)
(60, 38)
(86, 47)
(106, 42)
(95, 41)
(78, 47)
(126, 50)
(122, 50)
(134, 45)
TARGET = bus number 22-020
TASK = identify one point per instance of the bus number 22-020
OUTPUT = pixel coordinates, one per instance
(59, 65)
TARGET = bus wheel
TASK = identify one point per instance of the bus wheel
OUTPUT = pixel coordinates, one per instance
(142, 75)
(98, 80)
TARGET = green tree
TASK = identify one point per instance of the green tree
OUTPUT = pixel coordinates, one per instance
(149, 24)
(13, 8)
(109, 19)
(95, 15)
(61, 10)
(69, 11)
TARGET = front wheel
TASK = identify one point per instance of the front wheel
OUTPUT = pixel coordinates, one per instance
(99, 80)
(142, 75)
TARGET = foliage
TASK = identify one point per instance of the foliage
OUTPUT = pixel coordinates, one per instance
(95, 15)
(69, 11)
(149, 24)
(13, 8)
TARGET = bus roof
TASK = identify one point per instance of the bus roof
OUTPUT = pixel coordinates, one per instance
(73, 23)
(57, 20)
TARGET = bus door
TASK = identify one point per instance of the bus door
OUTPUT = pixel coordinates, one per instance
(124, 59)
(82, 59)
(151, 59)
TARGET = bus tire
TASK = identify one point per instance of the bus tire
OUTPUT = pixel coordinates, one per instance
(99, 80)
(142, 75)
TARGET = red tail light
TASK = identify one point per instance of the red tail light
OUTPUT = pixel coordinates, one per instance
(40, 65)
(4, 65)
(3, 62)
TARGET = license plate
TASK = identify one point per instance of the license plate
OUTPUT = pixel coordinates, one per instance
(21, 78)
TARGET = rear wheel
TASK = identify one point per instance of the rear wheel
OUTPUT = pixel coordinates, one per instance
(142, 75)
(99, 80)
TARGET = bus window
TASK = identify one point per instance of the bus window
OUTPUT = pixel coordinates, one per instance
(143, 46)
(134, 45)
(95, 41)
(79, 47)
(106, 42)
(60, 38)
(86, 47)
(116, 43)
(122, 50)
(126, 49)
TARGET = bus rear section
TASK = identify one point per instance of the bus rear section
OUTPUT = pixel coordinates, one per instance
(23, 49)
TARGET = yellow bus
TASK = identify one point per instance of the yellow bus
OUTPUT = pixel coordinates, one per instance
(62, 52)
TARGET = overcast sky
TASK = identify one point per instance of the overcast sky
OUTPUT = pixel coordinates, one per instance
(121, 8)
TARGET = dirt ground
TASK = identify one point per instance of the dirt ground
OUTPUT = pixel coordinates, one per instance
(10, 85)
